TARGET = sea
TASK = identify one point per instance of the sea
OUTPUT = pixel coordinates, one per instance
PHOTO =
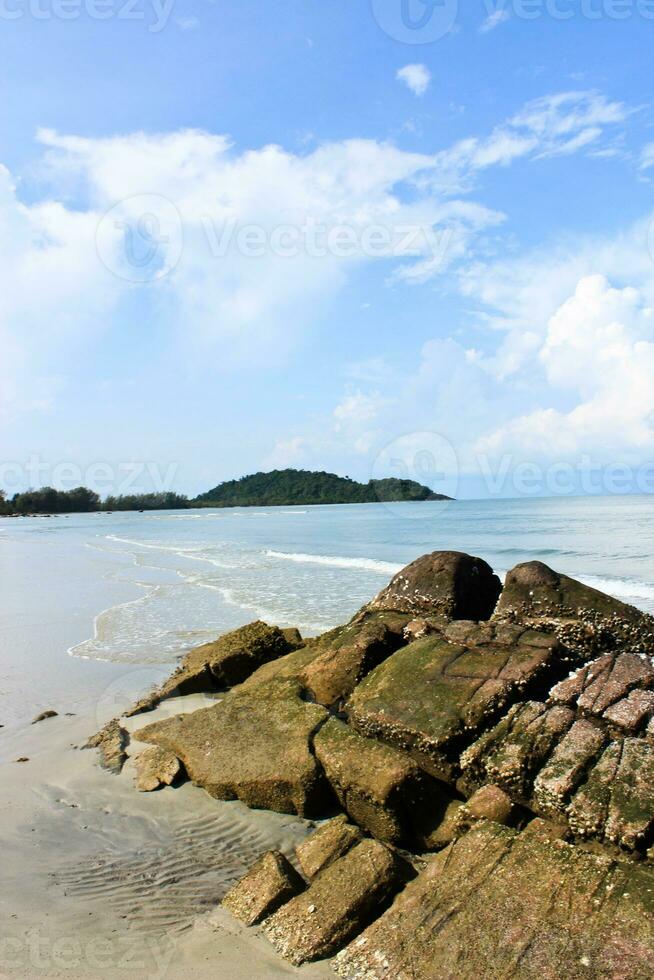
(97, 607)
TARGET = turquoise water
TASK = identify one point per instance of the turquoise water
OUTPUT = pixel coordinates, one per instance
(193, 573)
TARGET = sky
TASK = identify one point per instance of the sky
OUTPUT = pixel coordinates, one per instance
(378, 237)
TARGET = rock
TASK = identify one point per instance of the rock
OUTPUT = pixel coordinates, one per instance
(447, 584)
(567, 765)
(545, 829)
(254, 745)
(111, 742)
(339, 902)
(501, 904)
(586, 620)
(156, 767)
(617, 800)
(293, 637)
(45, 714)
(23, 758)
(289, 667)
(490, 803)
(346, 655)
(623, 673)
(375, 784)
(535, 589)
(430, 694)
(437, 832)
(415, 629)
(271, 883)
(594, 688)
(330, 842)
(562, 768)
(511, 754)
(430, 698)
(227, 661)
(632, 713)
(569, 690)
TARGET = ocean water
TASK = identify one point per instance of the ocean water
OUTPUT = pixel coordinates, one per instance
(137, 590)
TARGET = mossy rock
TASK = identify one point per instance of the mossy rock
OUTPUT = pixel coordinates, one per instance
(339, 902)
(255, 745)
(345, 656)
(447, 584)
(501, 904)
(431, 694)
(378, 786)
(223, 663)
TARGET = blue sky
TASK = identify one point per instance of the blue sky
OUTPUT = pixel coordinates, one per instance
(238, 235)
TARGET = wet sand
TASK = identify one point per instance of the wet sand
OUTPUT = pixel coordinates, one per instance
(100, 881)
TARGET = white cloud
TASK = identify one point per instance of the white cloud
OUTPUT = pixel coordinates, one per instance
(494, 20)
(647, 157)
(57, 296)
(218, 304)
(416, 78)
(600, 346)
(556, 125)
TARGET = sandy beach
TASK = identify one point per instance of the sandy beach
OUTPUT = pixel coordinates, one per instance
(101, 881)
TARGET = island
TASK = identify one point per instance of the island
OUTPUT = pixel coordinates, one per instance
(288, 487)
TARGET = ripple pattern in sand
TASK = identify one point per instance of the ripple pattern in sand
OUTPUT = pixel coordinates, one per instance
(165, 886)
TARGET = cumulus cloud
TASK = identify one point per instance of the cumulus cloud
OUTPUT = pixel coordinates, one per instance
(416, 78)
(599, 346)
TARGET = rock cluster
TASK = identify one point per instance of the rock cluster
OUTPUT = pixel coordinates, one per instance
(502, 739)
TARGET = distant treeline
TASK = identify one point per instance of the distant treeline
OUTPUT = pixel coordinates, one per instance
(147, 501)
(81, 500)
